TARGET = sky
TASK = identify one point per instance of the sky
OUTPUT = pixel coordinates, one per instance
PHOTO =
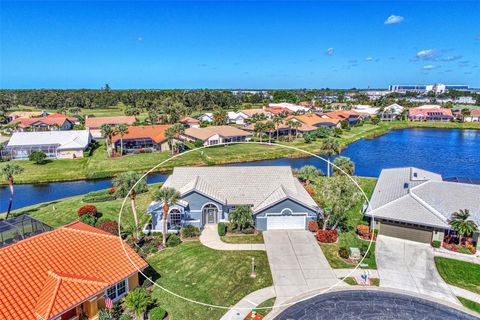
(255, 45)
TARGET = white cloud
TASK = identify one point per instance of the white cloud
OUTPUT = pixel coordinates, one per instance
(430, 67)
(140, 39)
(369, 59)
(393, 19)
(330, 51)
(426, 54)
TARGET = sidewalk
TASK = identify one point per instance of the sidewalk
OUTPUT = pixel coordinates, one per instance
(249, 302)
(211, 239)
(459, 292)
(440, 252)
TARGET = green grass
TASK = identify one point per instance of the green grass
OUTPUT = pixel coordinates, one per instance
(244, 238)
(265, 304)
(469, 304)
(205, 275)
(350, 281)
(459, 273)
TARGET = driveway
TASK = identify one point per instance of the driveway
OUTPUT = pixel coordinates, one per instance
(297, 263)
(409, 266)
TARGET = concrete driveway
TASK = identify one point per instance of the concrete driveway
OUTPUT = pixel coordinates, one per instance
(297, 263)
(409, 266)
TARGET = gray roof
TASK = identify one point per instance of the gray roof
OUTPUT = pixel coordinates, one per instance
(259, 186)
(66, 140)
(421, 197)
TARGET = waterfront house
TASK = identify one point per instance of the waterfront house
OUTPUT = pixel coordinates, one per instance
(351, 117)
(391, 112)
(315, 121)
(474, 116)
(365, 109)
(189, 122)
(214, 135)
(430, 114)
(56, 144)
(94, 124)
(282, 129)
(65, 273)
(208, 194)
(416, 204)
(142, 139)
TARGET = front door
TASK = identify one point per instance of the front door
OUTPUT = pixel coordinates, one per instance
(211, 216)
(210, 213)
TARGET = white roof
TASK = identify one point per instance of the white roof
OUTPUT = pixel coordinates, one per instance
(235, 115)
(67, 140)
(394, 107)
(429, 106)
(259, 186)
(365, 108)
(290, 106)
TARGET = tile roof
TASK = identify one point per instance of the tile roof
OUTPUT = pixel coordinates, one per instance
(48, 274)
(428, 111)
(475, 113)
(72, 139)
(207, 132)
(342, 114)
(302, 128)
(97, 122)
(59, 115)
(278, 110)
(28, 122)
(312, 119)
(25, 114)
(251, 112)
(189, 120)
(155, 132)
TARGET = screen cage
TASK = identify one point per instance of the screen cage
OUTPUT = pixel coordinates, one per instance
(20, 228)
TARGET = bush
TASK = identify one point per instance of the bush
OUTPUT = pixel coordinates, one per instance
(88, 219)
(436, 243)
(157, 313)
(173, 240)
(109, 226)
(327, 236)
(138, 301)
(125, 317)
(363, 231)
(87, 210)
(248, 231)
(343, 253)
(38, 157)
(307, 138)
(105, 315)
(198, 144)
(313, 226)
(222, 230)
(189, 232)
(365, 252)
(99, 196)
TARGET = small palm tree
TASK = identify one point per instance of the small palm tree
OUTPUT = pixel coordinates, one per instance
(277, 120)
(259, 128)
(107, 132)
(296, 125)
(269, 126)
(170, 135)
(345, 164)
(178, 128)
(290, 124)
(462, 224)
(241, 217)
(121, 129)
(8, 172)
(330, 147)
(168, 197)
(309, 173)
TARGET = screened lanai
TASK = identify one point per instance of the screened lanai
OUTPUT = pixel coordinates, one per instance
(20, 152)
(20, 228)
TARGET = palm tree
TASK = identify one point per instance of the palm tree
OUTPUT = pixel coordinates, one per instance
(241, 217)
(168, 197)
(170, 135)
(330, 147)
(290, 124)
(269, 126)
(178, 128)
(8, 171)
(277, 120)
(259, 128)
(462, 224)
(121, 129)
(123, 184)
(296, 125)
(309, 173)
(344, 163)
(108, 132)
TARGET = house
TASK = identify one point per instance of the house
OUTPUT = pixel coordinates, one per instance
(237, 117)
(251, 112)
(56, 144)
(416, 204)
(47, 123)
(363, 108)
(25, 114)
(278, 110)
(282, 129)
(64, 273)
(351, 117)
(206, 117)
(214, 135)
(430, 114)
(208, 194)
(391, 112)
(142, 139)
(290, 106)
(190, 122)
(474, 116)
(94, 124)
(314, 120)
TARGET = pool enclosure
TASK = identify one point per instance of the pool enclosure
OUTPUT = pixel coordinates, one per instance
(22, 152)
(20, 228)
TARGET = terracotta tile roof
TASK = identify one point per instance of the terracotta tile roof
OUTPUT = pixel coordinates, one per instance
(342, 115)
(426, 111)
(312, 119)
(96, 122)
(59, 115)
(251, 112)
(155, 132)
(25, 114)
(50, 273)
(302, 128)
(50, 121)
(189, 120)
(207, 132)
(278, 110)
(475, 113)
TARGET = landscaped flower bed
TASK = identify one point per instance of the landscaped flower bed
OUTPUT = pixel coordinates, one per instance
(327, 236)
(364, 232)
(465, 249)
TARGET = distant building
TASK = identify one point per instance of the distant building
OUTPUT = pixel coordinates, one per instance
(206, 117)
(94, 124)
(237, 117)
(292, 107)
(423, 88)
(391, 112)
(362, 108)
(25, 114)
(214, 135)
(49, 122)
(190, 122)
(474, 116)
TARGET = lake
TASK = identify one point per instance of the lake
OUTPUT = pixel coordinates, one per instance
(452, 153)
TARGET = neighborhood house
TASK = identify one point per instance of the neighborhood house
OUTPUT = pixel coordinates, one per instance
(143, 139)
(190, 122)
(94, 124)
(208, 194)
(430, 113)
(46, 123)
(214, 135)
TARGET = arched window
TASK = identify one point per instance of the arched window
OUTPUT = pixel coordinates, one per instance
(286, 212)
(175, 216)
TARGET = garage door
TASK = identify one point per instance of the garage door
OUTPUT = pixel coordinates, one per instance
(407, 233)
(286, 222)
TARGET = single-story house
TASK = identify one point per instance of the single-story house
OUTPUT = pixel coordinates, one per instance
(47, 123)
(214, 135)
(94, 124)
(251, 112)
(278, 110)
(66, 272)
(474, 116)
(237, 117)
(282, 129)
(430, 114)
(140, 139)
(25, 114)
(314, 120)
(364, 108)
(206, 117)
(190, 122)
(292, 107)
(56, 144)
(351, 117)
(391, 112)
(416, 204)
(208, 194)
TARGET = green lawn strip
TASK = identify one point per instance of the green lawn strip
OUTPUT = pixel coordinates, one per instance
(208, 276)
(459, 273)
(350, 281)
(469, 304)
(347, 240)
(243, 238)
(265, 304)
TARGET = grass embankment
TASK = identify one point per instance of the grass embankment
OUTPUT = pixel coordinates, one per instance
(350, 239)
(244, 238)
(469, 304)
(99, 166)
(267, 304)
(209, 276)
(462, 274)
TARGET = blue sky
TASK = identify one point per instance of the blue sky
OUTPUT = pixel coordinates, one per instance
(156, 44)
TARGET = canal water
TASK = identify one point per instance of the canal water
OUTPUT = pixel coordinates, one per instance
(452, 153)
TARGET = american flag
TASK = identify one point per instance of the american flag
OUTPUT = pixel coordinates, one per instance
(108, 302)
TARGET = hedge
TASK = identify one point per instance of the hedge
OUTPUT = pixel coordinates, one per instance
(222, 229)
(327, 236)
(87, 210)
(157, 313)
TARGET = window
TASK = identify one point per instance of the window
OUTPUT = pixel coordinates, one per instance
(175, 217)
(117, 291)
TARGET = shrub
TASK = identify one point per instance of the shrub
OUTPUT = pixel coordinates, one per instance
(88, 219)
(365, 252)
(313, 226)
(327, 236)
(37, 156)
(248, 231)
(105, 315)
(125, 317)
(173, 240)
(222, 230)
(138, 301)
(436, 244)
(87, 210)
(363, 231)
(310, 189)
(307, 138)
(109, 226)
(190, 232)
(198, 144)
(343, 253)
(157, 313)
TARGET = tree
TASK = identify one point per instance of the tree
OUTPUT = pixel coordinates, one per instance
(296, 125)
(330, 147)
(462, 224)
(138, 301)
(219, 116)
(9, 171)
(121, 129)
(168, 197)
(269, 126)
(308, 173)
(259, 127)
(107, 132)
(323, 132)
(241, 217)
(290, 124)
(170, 135)
(277, 120)
(37, 156)
(124, 186)
(345, 164)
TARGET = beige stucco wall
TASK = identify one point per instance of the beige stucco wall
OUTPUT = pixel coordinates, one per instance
(438, 235)
(70, 154)
(133, 282)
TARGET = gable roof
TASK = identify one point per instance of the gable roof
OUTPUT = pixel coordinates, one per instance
(66, 140)
(52, 272)
(189, 120)
(154, 132)
(25, 114)
(251, 112)
(428, 111)
(259, 186)
(97, 122)
(312, 119)
(28, 122)
(207, 132)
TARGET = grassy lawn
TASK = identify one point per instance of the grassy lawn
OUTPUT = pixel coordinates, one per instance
(266, 304)
(206, 275)
(469, 304)
(459, 273)
(244, 238)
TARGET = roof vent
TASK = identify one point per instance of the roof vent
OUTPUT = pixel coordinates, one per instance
(405, 185)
